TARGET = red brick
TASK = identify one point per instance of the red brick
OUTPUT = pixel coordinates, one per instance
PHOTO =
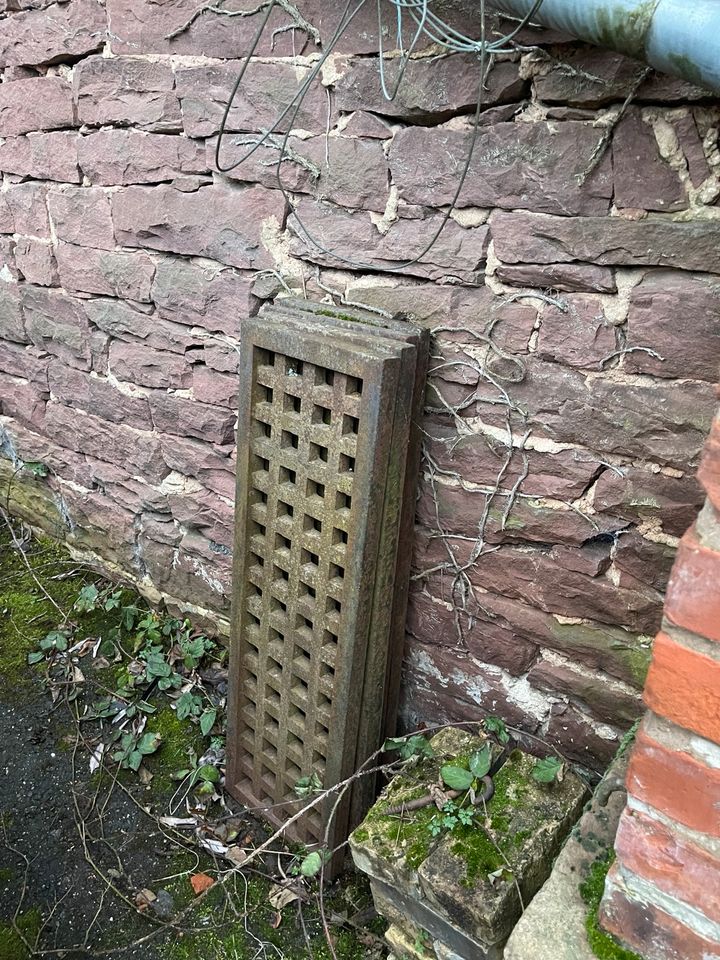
(675, 784)
(649, 931)
(683, 685)
(709, 472)
(693, 599)
(684, 870)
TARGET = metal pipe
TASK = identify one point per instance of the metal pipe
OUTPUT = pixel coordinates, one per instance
(679, 37)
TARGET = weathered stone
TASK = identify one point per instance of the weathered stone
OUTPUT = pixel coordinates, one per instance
(54, 32)
(554, 924)
(211, 464)
(44, 103)
(580, 739)
(221, 222)
(115, 273)
(81, 215)
(488, 907)
(12, 326)
(31, 447)
(183, 574)
(21, 400)
(591, 77)
(642, 178)
(208, 296)
(641, 561)
(559, 276)
(535, 576)
(222, 357)
(137, 363)
(564, 475)
(27, 204)
(98, 396)
(431, 89)
(8, 266)
(6, 217)
(45, 156)
(134, 27)
(57, 323)
(515, 165)
(691, 144)
(121, 321)
(635, 493)
(579, 336)
(491, 643)
(100, 526)
(36, 261)
(117, 157)
(362, 124)
(116, 442)
(458, 252)
(188, 418)
(212, 387)
(356, 175)
(538, 238)
(607, 415)
(124, 91)
(26, 362)
(266, 91)
(592, 693)
(460, 512)
(688, 349)
(211, 515)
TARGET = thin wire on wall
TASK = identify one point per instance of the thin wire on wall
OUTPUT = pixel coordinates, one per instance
(426, 24)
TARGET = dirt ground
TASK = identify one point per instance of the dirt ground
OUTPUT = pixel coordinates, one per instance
(87, 867)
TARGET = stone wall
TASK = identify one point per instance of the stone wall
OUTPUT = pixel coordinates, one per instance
(574, 294)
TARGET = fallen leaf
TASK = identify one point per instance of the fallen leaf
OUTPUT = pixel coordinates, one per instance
(178, 821)
(236, 855)
(214, 846)
(96, 758)
(201, 882)
(144, 898)
(145, 776)
(281, 897)
(276, 921)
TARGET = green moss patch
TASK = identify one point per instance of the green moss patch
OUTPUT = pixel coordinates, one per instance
(12, 945)
(591, 890)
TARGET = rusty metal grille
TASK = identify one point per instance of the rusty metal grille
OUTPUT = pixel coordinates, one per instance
(317, 457)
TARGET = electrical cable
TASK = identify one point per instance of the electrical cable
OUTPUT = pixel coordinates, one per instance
(427, 24)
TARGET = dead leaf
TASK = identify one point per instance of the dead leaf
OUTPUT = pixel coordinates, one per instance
(276, 921)
(102, 663)
(236, 855)
(201, 882)
(144, 898)
(178, 821)
(281, 896)
(144, 775)
(96, 758)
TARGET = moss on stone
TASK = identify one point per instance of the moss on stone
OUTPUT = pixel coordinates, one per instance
(178, 737)
(603, 945)
(11, 943)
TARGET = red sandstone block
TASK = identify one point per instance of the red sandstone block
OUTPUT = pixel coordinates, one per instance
(675, 784)
(649, 931)
(653, 851)
(693, 599)
(709, 472)
(684, 686)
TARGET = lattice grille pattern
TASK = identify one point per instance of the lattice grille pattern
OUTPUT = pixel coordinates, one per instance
(317, 421)
(305, 424)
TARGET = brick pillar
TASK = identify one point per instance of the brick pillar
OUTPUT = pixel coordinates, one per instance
(662, 896)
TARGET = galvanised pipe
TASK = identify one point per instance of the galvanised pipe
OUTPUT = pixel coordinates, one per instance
(680, 37)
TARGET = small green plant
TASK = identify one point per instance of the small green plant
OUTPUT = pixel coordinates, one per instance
(309, 864)
(548, 770)
(307, 786)
(52, 643)
(415, 746)
(133, 747)
(36, 469)
(452, 816)
(496, 727)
